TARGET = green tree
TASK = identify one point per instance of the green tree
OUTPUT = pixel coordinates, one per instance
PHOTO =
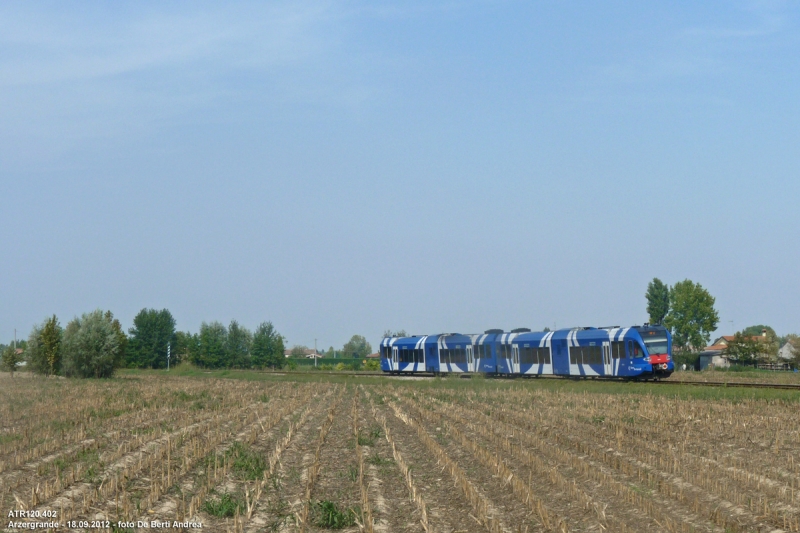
(268, 347)
(794, 342)
(186, 346)
(770, 343)
(211, 349)
(357, 347)
(92, 346)
(121, 337)
(657, 301)
(50, 342)
(10, 359)
(298, 351)
(692, 316)
(398, 333)
(237, 346)
(744, 349)
(152, 331)
(35, 355)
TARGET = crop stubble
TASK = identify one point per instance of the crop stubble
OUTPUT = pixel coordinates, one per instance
(397, 457)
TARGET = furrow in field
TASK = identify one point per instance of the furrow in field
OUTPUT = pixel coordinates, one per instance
(446, 507)
(283, 487)
(78, 500)
(586, 493)
(485, 487)
(304, 517)
(397, 504)
(262, 513)
(107, 447)
(698, 506)
(241, 467)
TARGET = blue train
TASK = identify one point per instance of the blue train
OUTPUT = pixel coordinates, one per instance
(638, 352)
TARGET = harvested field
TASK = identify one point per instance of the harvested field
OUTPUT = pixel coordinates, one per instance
(752, 376)
(385, 456)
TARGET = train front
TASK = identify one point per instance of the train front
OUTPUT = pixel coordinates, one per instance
(658, 342)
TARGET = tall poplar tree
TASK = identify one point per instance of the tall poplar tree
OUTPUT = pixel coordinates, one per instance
(657, 301)
(50, 344)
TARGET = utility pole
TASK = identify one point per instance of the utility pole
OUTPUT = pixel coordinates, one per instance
(15, 339)
(315, 353)
(168, 356)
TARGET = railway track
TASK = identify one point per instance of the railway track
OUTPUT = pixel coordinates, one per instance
(785, 386)
(753, 385)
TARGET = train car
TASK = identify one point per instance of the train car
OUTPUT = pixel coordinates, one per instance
(634, 352)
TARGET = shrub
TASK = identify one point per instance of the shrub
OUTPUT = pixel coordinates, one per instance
(10, 359)
(92, 346)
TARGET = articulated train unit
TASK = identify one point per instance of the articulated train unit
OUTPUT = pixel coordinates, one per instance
(638, 352)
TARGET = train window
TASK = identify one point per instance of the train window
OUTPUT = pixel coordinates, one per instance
(535, 356)
(618, 350)
(584, 355)
(487, 351)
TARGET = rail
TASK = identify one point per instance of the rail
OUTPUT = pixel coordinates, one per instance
(753, 385)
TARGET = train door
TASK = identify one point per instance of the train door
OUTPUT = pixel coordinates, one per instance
(394, 365)
(608, 362)
(515, 358)
(470, 359)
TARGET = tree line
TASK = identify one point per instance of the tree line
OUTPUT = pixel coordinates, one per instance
(687, 310)
(94, 345)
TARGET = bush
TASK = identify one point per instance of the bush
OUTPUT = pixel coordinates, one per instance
(691, 360)
(372, 365)
(92, 347)
(10, 359)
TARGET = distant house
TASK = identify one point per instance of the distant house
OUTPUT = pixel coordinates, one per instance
(715, 356)
(308, 353)
(710, 359)
(786, 353)
(375, 355)
(725, 340)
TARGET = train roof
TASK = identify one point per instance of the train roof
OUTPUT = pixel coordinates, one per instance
(524, 334)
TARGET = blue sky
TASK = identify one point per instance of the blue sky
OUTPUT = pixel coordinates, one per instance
(348, 167)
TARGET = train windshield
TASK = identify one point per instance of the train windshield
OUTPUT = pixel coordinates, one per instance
(656, 342)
